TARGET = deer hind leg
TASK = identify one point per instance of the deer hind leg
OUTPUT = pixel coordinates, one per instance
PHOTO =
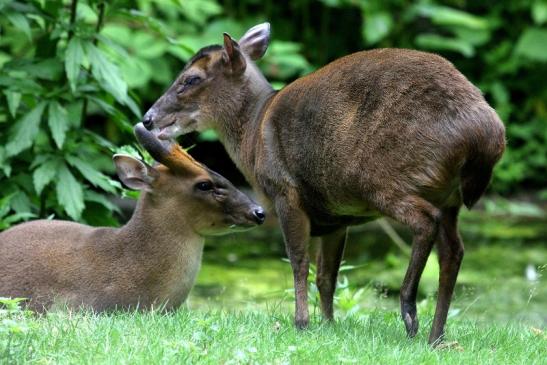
(450, 248)
(331, 251)
(423, 220)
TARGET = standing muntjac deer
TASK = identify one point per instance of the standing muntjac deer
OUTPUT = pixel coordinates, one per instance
(151, 261)
(386, 132)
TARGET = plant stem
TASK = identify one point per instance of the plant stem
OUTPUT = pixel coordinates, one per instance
(100, 21)
(399, 242)
(73, 9)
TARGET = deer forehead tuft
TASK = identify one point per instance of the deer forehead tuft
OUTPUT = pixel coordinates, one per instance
(180, 161)
(202, 53)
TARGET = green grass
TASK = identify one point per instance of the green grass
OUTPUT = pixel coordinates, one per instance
(248, 337)
(240, 311)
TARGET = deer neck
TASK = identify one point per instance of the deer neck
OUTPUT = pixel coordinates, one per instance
(159, 253)
(153, 231)
(239, 132)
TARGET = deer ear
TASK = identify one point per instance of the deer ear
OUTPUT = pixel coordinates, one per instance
(255, 42)
(232, 55)
(134, 174)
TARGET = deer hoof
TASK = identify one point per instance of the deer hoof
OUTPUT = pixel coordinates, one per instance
(411, 321)
(301, 324)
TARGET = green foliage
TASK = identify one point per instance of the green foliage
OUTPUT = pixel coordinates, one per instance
(54, 69)
(347, 299)
(73, 75)
(14, 324)
(76, 74)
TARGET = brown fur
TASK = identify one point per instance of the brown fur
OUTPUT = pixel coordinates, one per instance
(390, 132)
(151, 261)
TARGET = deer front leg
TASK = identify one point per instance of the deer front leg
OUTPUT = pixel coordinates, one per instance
(295, 225)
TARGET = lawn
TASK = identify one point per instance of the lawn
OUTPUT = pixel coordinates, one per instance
(247, 337)
(240, 311)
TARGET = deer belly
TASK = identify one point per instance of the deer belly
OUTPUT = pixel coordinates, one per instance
(328, 215)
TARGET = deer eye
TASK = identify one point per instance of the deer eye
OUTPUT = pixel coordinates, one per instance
(204, 185)
(192, 80)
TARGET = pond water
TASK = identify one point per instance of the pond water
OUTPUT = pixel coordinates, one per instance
(503, 276)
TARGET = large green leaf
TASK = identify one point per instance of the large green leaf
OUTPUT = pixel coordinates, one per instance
(25, 130)
(376, 26)
(140, 44)
(284, 59)
(333, 3)
(58, 122)
(539, 11)
(92, 196)
(5, 204)
(532, 44)
(209, 135)
(137, 72)
(91, 174)
(45, 173)
(443, 15)
(198, 11)
(69, 193)
(475, 37)
(5, 166)
(17, 217)
(106, 73)
(437, 42)
(21, 83)
(74, 111)
(73, 59)
(20, 202)
(132, 105)
(13, 99)
(20, 22)
(48, 69)
(147, 46)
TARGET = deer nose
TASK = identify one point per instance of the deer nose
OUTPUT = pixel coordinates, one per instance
(259, 216)
(148, 121)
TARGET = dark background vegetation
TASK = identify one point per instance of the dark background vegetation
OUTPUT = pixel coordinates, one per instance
(76, 75)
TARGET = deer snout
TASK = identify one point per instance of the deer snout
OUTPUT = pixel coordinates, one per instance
(258, 215)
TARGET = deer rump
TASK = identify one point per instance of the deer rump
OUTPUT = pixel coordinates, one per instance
(394, 124)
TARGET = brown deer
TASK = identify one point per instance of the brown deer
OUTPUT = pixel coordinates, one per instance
(151, 261)
(386, 132)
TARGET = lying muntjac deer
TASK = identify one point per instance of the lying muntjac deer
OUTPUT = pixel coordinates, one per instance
(151, 261)
(391, 132)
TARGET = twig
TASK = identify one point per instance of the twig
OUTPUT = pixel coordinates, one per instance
(100, 21)
(399, 242)
(470, 304)
(73, 8)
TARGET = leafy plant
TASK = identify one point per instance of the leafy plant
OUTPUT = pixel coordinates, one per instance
(13, 324)
(346, 299)
(55, 70)
(76, 74)
(73, 74)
